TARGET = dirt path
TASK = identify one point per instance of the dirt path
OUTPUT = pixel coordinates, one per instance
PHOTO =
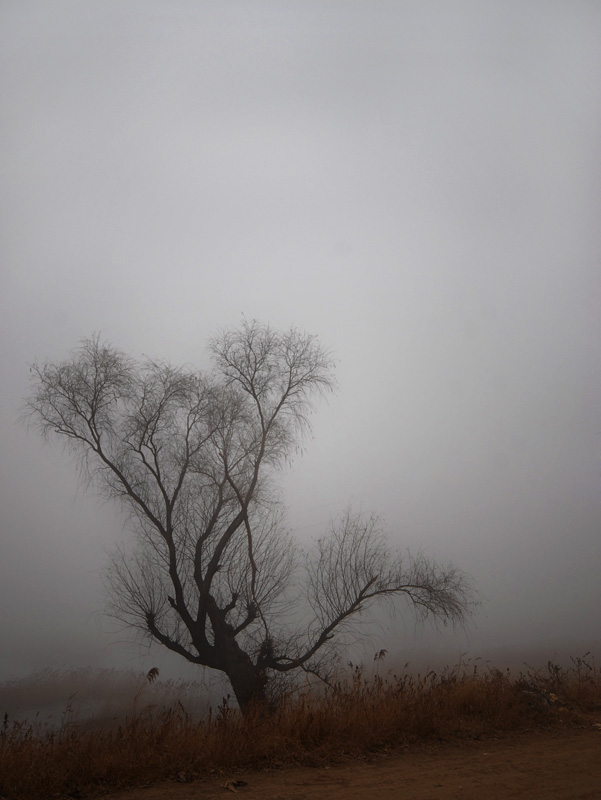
(557, 765)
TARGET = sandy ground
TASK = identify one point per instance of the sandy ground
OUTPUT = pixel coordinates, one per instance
(550, 765)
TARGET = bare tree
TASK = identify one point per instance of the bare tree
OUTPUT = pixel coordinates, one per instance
(214, 574)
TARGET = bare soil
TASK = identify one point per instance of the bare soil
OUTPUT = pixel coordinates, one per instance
(536, 765)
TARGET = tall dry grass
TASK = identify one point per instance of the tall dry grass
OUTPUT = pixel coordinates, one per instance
(358, 716)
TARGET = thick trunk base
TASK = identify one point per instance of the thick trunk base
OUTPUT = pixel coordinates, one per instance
(250, 689)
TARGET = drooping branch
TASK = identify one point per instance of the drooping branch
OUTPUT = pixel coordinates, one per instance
(354, 567)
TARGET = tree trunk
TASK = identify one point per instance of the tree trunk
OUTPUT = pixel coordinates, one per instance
(248, 680)
(249, 684)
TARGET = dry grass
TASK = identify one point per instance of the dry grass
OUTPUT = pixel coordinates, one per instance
(354, 718)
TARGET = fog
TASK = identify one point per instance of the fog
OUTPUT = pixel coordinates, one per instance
(417, 183)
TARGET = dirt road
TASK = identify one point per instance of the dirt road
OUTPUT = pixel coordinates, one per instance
(550, 765)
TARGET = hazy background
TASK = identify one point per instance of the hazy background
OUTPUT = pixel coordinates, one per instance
(418, 183)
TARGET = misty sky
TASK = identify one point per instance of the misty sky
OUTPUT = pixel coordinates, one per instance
(418, 183)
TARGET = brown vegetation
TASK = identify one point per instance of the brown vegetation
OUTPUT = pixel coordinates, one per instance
(353, 718)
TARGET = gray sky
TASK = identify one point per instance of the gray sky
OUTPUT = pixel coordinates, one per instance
(418, 183)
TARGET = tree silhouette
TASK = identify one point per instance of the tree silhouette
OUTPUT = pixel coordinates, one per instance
(214, 574)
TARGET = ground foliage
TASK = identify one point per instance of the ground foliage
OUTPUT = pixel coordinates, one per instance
(367, 712)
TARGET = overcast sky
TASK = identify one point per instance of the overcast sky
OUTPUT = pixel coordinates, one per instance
(418, 183)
